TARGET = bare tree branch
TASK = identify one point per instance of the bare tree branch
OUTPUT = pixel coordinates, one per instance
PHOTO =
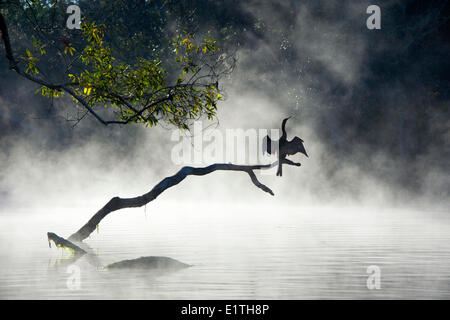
(117, 203)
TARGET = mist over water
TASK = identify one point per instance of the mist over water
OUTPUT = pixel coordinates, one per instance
(374, 190)
(311, 240)
(273, 253)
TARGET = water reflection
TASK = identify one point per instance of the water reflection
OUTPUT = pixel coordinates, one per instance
(298, 253)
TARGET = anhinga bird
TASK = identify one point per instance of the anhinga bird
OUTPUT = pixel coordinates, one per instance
(285, 148)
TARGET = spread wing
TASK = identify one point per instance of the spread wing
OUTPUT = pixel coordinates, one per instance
(294, 146)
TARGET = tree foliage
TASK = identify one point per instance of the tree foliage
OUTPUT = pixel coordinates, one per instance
(176, 85)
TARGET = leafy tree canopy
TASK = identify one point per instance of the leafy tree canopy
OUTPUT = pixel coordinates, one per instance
(175, 80)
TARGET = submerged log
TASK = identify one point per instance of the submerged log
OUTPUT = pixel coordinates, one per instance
(160, 263)
(116, 203)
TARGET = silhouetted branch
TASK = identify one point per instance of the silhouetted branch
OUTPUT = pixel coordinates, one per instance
(117, 203)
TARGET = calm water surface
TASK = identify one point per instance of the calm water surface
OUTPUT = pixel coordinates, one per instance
(237, 253)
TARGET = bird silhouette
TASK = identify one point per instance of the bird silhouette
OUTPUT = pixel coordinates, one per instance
(285, 148)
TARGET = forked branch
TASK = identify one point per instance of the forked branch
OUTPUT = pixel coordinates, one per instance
(117, 203)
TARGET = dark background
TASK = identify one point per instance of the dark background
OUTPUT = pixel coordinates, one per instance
(362, 92)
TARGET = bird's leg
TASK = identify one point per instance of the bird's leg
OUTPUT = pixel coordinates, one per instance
(279, 171)
(280, 168)
(292, 163)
